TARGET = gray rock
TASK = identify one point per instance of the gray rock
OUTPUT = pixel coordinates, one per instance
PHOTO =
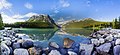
(16, 45)
(109, 38)
(72, 53)
(27, 44)
(54, 44)
(7, 42)
(95, 42)
(116, 50)
(4, 49)
(54, 52)
(104, 48)
(117, 42)
(88, 48)
(21, 51)
(101, 40)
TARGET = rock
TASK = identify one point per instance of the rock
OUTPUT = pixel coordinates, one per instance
(7, 42)
(34, 51)
(27, 44)
(4, 49)
(63, 51)
(104, 48)
(16, 45)
(11, 51)
(109, 38)
(101, 40)
(68, 42)
(20, 41)
(21, 51)
(88, 48)
(53, 44)
(37, 44)
(95, 42)
(54, 52)
(7, 38)
(117, 42)
(72, 53)
(116, 50)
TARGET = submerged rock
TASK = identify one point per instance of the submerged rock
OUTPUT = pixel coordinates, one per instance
(34, 51)
(68, 42)
(54, 44)
(21, 51)
(104, 48)
(88, 48)
(54, 52)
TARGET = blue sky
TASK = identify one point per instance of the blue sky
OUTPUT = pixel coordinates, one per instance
(20, 10)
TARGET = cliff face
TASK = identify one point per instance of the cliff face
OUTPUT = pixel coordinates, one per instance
(43, 19)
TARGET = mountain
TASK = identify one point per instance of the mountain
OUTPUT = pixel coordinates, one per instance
(85, 23)
(37, 21)
(42, 18)
(1, 22)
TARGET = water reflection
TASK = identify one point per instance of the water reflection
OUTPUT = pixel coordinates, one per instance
(47, 35)
(39, 34)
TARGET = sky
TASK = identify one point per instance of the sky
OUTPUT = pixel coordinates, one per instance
(20, 10)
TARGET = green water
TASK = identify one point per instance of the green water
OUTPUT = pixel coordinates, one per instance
(48, 35)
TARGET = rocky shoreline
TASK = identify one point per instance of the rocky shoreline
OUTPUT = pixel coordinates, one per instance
(102, 42)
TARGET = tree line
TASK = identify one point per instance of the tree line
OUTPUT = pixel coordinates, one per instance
(116, 23)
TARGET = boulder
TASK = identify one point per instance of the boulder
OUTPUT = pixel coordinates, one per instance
(72, 53)
(88, 48)
(68, 42)
(54, 44)
(63, 51)
(101, 41)
(116, 50)
(34, 51)
(104, 48)
(27, 44)
(109, 38)
(7, 42)
(54, 52)
(4, 49)
(117, 42)
(95, 42)
(21, 51)
(16, 45)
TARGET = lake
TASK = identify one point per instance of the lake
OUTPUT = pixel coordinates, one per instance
(47, 35)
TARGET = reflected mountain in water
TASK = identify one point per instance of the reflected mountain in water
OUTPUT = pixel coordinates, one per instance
(39, 34)
(79, 32)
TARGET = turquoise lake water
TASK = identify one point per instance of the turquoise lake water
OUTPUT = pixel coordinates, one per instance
(47, 35)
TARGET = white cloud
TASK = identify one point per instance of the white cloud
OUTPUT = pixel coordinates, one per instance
(5, 4)
(28, 5)
(64, 3)
(56, 11)
(16, 18)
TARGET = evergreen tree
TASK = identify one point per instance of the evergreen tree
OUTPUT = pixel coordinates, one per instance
(113, 24)
(1, 22)
(116, 25)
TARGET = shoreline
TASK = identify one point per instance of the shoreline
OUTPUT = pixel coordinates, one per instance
(104, 41)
